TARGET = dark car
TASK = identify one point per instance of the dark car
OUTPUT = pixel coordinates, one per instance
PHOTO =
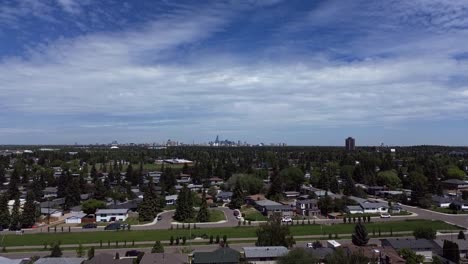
(132, 253)
(159, 217)
(90, 225)
(113, 226)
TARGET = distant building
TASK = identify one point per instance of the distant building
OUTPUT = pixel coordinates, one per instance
(350, 144)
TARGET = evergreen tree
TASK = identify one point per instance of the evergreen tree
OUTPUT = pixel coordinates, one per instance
(2, 174)
(276, 187)
(451, 251)
(29, 214)
(184, 206)
(129, 176)
(100, 191)
(237, 199)
(72, 197)
(157, 247)
(13, 190)
(150, 206)
(4, 212)
(360, 236)
(15, 215)
(203, 214)
(56, 251)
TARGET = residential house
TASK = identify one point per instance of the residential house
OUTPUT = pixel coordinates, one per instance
(4, 260)
(373, 190)
(441, 201)
(422, 247)
(374, 207)
(155, 175)
(171, 199)
(268, 207)
(368, 207)
(50, 192)
(354, 209)
(454, 186)
(105, 258)
(264, 255)
(111, 215)
(74, 218)
(186, 179)
(164, 258)
(215, 181)
(251, 199)
(56, 213)
(60, 261)
(462, 246)
(223, 255)
(307, 207)
(291, 195)
(224, 197)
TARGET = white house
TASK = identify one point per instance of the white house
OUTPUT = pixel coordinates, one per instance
(264, 255)
(111, 215)
(368, 207)
(74, 218)
(171, 199)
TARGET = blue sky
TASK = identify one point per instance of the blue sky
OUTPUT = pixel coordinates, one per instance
(300, 72)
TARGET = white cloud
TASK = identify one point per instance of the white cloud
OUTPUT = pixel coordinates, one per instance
(70, 6)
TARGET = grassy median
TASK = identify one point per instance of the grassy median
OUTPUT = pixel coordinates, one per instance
(230, 232)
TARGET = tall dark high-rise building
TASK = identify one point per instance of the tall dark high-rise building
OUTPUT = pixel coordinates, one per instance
(350, 144)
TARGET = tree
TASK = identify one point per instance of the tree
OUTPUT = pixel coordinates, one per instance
(297, 256)
(237, 199)
(273, 233)
(72, 195)
(15, 215)
(276, 187)
(90, 206)
(451, 251)
(29, 214)
(151, 205)
(340, 257)
(388, 178)
(411, 257)
(56, 251)
(292, 178)
(80, 251)
(91, 253)
(4, 212)
(424, 232)
(184, 206)
(360, 236)
(157, 247)
(461, 235)
(203, 214)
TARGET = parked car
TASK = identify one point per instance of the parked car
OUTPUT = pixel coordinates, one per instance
(159, 218)
(286, 219)
(90, 225)
(132, 253)
(385, 215)
(310, 245)
(113, 226)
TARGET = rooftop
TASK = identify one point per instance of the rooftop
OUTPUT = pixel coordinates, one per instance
(264, 252)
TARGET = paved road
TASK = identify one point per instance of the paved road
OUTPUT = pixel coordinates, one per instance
(460, 220)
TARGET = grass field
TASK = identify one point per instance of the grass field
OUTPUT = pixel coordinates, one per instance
(254, 215)
(230, 232)
(447, 210)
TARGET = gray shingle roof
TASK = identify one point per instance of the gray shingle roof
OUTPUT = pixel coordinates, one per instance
(111, 211)
(265, 252)
(411, 243)
(59, 261)
(164, 258)
(221, 255)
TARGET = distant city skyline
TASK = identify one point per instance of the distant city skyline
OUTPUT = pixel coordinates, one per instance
(299, 72)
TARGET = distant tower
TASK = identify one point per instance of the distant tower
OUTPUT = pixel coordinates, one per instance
(350, 144)
(217, 139)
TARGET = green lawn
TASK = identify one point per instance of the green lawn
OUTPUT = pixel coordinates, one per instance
(447, 210)
(215, 216)
(252, 214)
(230, 232)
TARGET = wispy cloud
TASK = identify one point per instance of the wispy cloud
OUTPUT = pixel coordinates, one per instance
(158, 76)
